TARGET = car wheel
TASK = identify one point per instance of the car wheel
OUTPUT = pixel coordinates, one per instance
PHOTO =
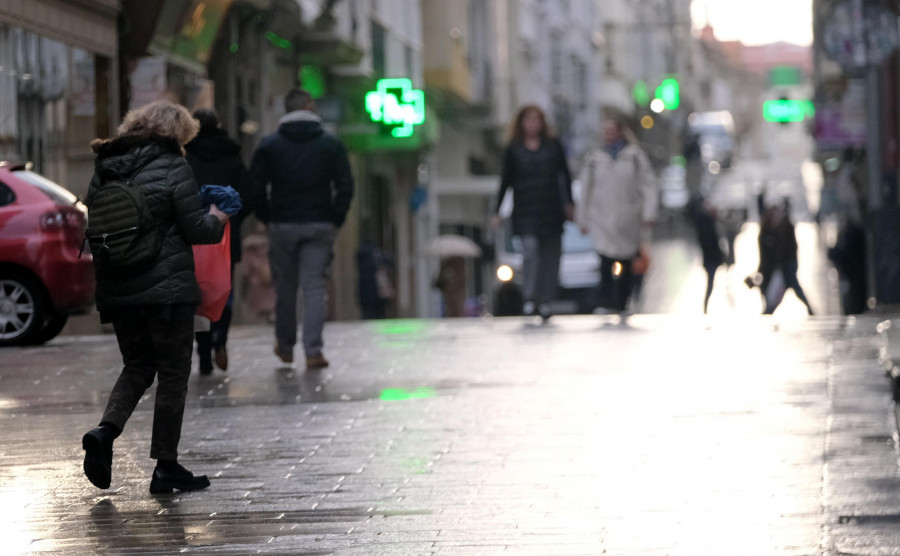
(21, 310)
(52, 327)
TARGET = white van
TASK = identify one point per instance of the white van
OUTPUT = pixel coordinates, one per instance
(716, 135)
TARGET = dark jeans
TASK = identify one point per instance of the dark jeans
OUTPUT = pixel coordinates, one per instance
(711, 269)
(615, 288)
(153, 345)
(540, 267)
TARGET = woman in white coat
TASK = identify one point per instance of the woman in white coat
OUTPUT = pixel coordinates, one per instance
(617, 209)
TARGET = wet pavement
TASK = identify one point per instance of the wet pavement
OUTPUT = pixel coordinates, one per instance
(673, 435)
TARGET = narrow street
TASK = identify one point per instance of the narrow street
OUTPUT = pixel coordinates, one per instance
(672, 435)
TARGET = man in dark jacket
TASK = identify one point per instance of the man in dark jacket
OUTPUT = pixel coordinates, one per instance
(310, 193)
(215, 159)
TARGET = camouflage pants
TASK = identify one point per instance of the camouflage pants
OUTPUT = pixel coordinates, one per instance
(153, 346)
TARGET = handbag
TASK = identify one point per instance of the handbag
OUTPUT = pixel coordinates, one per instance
(212, 267)
(641, 263)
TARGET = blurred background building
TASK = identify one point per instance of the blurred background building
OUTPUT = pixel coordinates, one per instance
(70, 69)
(59, 83)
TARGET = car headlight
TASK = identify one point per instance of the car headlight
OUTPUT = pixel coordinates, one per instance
(504, 273)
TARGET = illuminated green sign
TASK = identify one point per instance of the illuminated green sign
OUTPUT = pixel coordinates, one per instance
(640, 93)
(313, 81)
(785, 75)
(397, 105)
(669, 91)
(788, 110)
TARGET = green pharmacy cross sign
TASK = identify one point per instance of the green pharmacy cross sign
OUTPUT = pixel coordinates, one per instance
(397, 105)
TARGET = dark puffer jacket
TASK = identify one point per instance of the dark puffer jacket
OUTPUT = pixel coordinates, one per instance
(542, 187)
(308, 170)
(170, 192)
(216, 160)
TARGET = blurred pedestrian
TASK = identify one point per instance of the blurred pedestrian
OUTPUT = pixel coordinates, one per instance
(536, 171)
(618, 209)
(703, 217)
(375, 286)
(151, 307)
(849, 258)
(256, 274)
(311, 190)
(451, 280)
(778, 257)
(216, 160)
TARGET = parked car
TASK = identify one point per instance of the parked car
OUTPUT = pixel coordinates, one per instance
(42, 278)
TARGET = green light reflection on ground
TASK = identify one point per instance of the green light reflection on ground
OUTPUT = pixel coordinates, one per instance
(401, 326)
(400, 394)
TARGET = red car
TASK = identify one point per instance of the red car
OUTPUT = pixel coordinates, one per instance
(42, 278)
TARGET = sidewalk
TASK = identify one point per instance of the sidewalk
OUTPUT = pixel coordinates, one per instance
(673, 435)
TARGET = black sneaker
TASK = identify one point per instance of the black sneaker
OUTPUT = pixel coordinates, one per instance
(169, 479)
(97, 444)
(545, 312)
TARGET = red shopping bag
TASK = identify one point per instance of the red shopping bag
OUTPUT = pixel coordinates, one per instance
(212, 266)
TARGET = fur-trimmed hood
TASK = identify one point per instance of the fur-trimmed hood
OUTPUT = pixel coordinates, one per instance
(125, 155)
(105, 148)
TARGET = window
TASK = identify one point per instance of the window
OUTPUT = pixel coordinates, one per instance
(56, 193)
(7, 197)
(579, 69)
(556, 59)
(378, 49)
(409, 61)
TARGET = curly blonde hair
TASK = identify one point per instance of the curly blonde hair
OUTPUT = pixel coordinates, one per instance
(161, 118)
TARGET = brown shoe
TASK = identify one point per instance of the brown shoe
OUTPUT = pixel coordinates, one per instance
(221, 358)
(285, 354)
(316, 362)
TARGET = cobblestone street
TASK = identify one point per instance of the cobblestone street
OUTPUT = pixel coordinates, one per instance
(672, 435)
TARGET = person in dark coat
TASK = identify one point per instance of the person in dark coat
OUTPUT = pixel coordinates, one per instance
(216, 160)
(778, 253)
(311, 189)
(849, 258)
(152, 312)
(536, 171)
(704, 220)
(451, 281)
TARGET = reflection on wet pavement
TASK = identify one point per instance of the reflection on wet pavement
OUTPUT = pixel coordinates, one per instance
(667, 436)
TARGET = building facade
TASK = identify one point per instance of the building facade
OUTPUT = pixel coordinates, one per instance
(58, 84)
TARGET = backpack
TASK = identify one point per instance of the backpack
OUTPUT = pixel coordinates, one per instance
(122, 233)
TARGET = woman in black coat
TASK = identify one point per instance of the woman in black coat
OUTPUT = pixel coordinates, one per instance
(216, 160)
(704, 220)
(536, 170)
(152, 311)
